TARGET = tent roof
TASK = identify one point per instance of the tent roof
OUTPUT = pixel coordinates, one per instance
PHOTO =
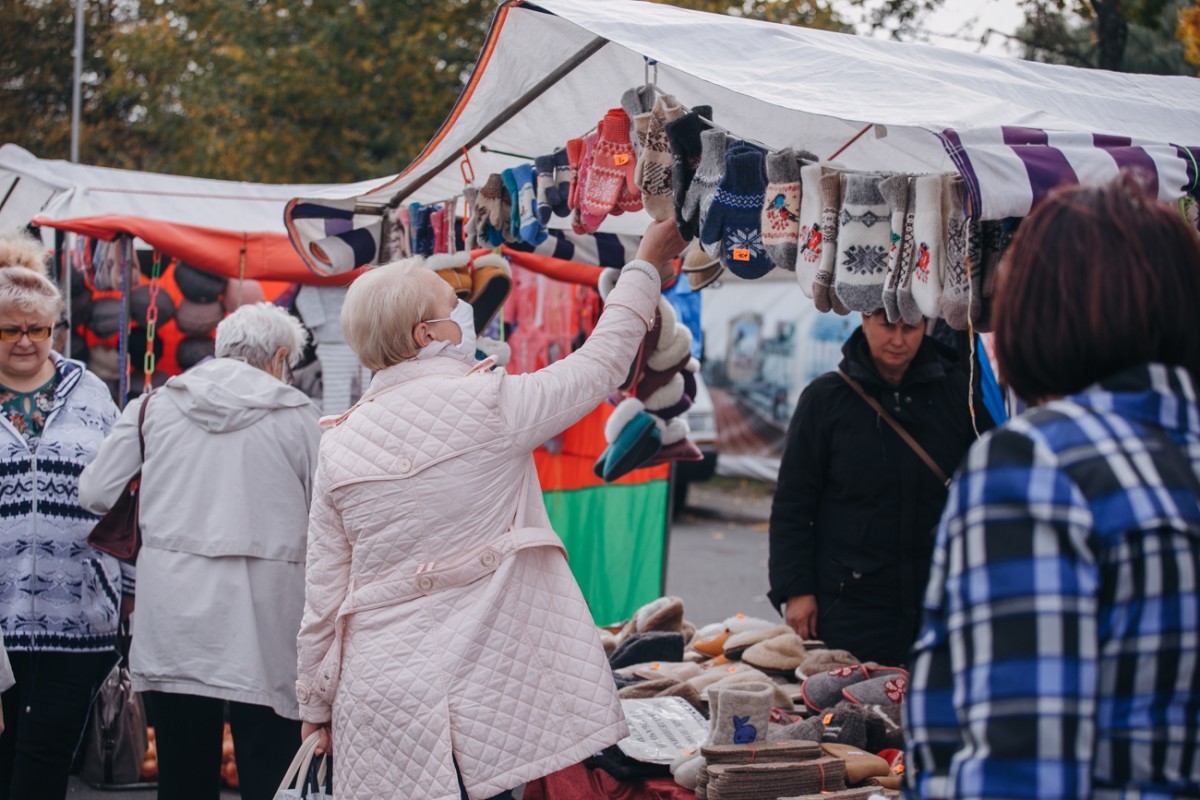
(551, 68)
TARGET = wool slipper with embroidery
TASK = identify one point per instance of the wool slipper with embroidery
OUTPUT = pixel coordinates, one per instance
(888, 688)
(824, 689)
(817, 660)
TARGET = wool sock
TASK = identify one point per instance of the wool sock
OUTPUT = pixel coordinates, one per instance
(824, 297)
(742, 712)
(612, 165)
(864, 236)
(929, 237)
(683, 136)
(545, 184)
(810, 242)
(734, 217)
(653, 173)
(781, 209)
(559, 189)
(895, 192)
(708, 174)
(575, 149)
(962, 290)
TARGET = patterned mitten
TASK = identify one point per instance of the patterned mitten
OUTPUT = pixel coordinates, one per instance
(422, 230)
(558, 192)
(824, 298)
(811, 241)
(639, 100)
(582, 221)
(929, 235)
(441, 241)
(524, 223)
(735, 215)
(653, 173)
(545, 184)
(781, 209)
(683, 136)
(575, 150)
(895, 193)
(708, 174)
(612, 165)
(962, 290)
(864, 236)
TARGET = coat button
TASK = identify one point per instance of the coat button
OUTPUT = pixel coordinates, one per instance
(302, 693)
(425, 583)
(488, 558)
(405, 465)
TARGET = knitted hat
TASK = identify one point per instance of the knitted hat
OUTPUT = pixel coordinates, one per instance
(740, 712)
(782, 653)
(781, 209)
(962, 289)
(733, 221)
(195, 318)
(197, 285)
(105, 320)
(817, 660)
(491, 283)
(824, 689)
(139, 305)
(683, 138)
(929, 236)
(810, 240)
(653, 172)
(825, 299)
(700, 268)
(713, 144)
(864, 237)
(242, 293)
(651, 646)
(860, 765)
(895, 191)
(888, 686)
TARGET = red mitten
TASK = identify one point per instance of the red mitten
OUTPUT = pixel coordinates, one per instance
(612, 167)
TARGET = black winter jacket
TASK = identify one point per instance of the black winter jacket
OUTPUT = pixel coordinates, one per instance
(855, 509)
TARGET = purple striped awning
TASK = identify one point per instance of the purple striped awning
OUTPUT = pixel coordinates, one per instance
(1007, 170)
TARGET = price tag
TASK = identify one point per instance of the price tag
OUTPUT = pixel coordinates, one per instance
(621, 159)
(828, 719)
(741, 254)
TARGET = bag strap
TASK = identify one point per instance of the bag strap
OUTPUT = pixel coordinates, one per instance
(897, 427)
(141, 422)
(298, 769)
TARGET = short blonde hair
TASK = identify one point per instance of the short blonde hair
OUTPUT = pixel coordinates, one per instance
(381, 309)
(24, 286)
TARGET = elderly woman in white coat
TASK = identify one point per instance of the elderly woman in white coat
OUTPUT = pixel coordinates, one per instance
(444, 637)
(230, 451)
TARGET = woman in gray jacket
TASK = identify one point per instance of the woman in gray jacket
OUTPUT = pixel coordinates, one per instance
(226, 481)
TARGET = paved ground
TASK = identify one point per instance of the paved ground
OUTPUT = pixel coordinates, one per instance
(716, 562)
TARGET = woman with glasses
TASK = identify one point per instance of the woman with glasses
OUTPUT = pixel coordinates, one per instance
(60, 600)
(230, 451)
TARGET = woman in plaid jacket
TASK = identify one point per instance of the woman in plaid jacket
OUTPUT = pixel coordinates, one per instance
(1060, 652)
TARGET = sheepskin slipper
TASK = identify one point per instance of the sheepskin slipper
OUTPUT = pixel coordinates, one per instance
(818, 660)
(782, 653)
(737, 644)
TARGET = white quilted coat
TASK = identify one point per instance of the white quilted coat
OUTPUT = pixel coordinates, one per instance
(441, 622)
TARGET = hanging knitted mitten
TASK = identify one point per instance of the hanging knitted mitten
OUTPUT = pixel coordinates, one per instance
(811, 240)
(683, 136)
(929, 236)
(735, 215)
(653, 173)
(824, 298)
(864, 236)
(519, 182)
(583, 221)
(962, 291)
(706, 178)
(781, 209)
(558, 191)
(575, 150)
(545, 184)
(612, 165)
(895, 192)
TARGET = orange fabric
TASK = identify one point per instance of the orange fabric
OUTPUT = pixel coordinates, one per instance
(557, 268)
(269, 256)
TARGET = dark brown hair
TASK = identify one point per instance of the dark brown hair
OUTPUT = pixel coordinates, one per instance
(1096, 280)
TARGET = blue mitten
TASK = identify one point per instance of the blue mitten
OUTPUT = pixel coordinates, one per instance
(735, 216)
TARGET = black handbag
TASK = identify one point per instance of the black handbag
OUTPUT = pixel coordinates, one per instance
(119, 532)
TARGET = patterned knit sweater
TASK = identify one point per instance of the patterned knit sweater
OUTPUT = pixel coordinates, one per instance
(56, 592)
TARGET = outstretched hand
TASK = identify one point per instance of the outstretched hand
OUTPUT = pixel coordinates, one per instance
(660, 243)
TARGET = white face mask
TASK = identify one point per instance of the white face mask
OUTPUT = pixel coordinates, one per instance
(463, 316)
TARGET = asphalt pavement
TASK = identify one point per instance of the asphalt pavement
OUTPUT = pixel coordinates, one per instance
(716, 563)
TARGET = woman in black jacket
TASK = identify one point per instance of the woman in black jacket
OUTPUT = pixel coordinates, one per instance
(855, 508)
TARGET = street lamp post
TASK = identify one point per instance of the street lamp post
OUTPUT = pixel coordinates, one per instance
(76, 93)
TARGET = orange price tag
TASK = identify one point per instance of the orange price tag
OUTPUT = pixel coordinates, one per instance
(741, 254)
(656, 665)
(732, 669)
(621, 159)
(828, 719)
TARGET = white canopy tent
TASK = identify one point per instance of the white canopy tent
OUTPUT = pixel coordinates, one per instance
(551, 68)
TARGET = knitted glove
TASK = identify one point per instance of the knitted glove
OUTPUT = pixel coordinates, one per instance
(653, 173)
(781, 209)
(708, 174)
(734, 218)
(612, 165)
(683, 136)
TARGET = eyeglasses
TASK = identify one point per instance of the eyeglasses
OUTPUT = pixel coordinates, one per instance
(38, 334)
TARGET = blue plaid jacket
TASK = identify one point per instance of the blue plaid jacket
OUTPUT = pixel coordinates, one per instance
(1059, 653)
